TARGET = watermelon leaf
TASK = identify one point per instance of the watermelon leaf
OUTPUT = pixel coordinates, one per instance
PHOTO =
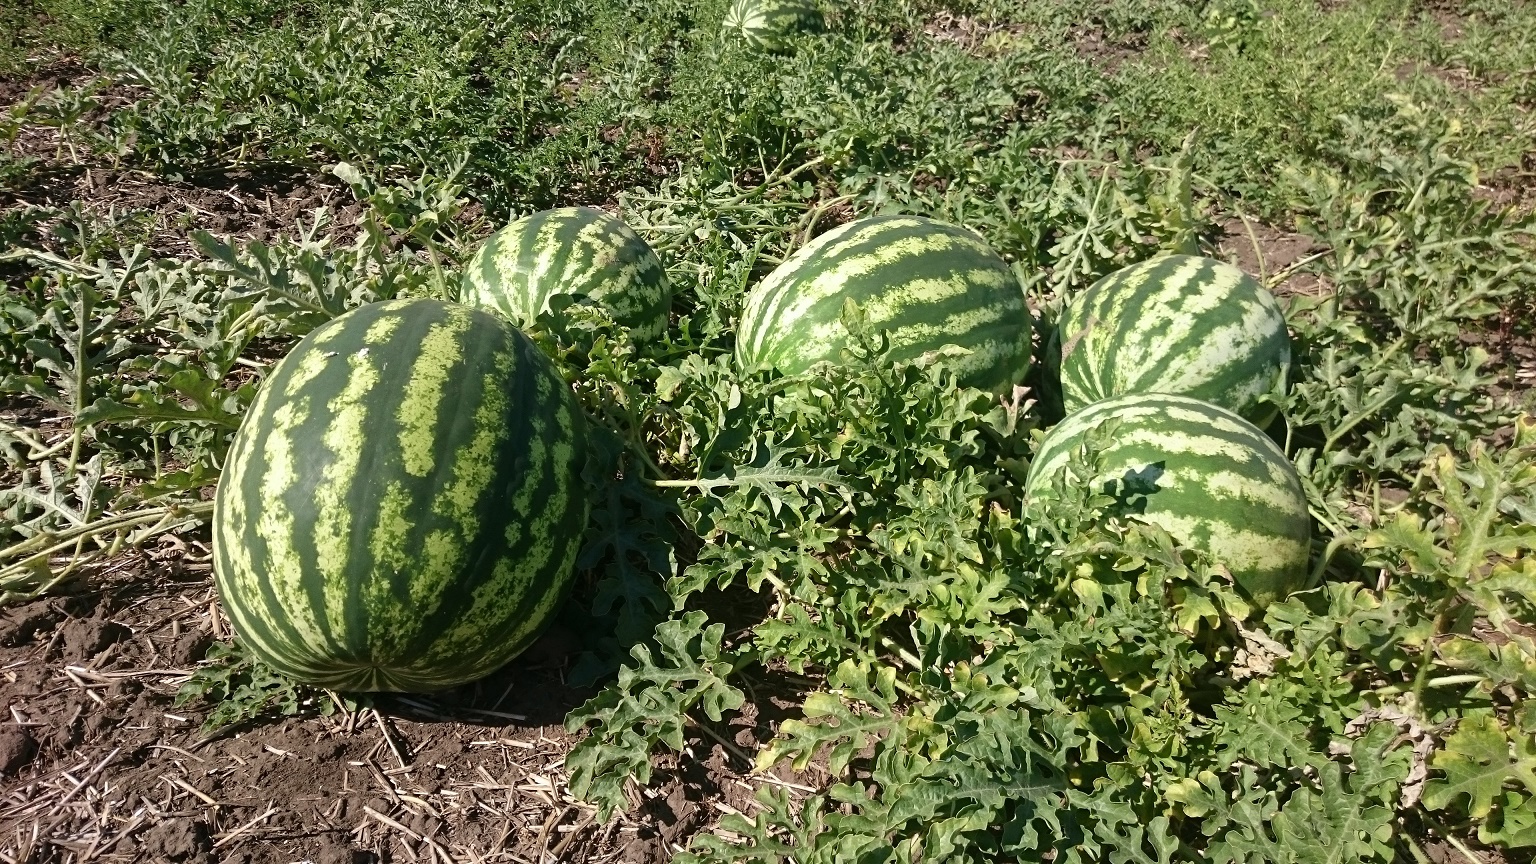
(687, 669)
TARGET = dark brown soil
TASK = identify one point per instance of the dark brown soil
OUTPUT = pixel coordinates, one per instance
(1441, 852)
(1512, 187)
(1105, 50)
(1268, 252)
(62, 73)
(99, 762)
(1455, 78)
(1450, 15)
(969, 33)
(251, 203)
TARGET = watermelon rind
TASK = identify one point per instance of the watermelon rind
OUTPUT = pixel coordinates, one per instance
(1222, 486)
(927, 284)
(1180, 324)
(575, 252)
(402, 507)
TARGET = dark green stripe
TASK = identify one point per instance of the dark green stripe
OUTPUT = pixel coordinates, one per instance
(1189, 493)
(1115, 336)
(298, 498)
(491, 546)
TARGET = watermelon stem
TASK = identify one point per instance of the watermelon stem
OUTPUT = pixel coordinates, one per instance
(639, 450)
(1370, 410)
(31, 574)
(37, 450)
(1427, 660)
(1316, 578)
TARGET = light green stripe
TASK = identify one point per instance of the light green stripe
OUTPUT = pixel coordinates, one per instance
(763, 304)
(345, 438)
(1240, 549)
(284, 569)
(422, 402)
(389, 543)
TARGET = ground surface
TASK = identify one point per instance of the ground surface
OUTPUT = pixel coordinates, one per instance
(102, 766)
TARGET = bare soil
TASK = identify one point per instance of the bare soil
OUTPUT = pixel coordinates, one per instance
(1107, 50)
(254, 203)
(97, 763)
(1266, 252)
(969, 33)
(1512, 187)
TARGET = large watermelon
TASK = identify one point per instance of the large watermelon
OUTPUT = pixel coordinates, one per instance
(769, 24)
(1221, 485)
(401, 508)
(574, 251)
(1174, 324)
(927, 283)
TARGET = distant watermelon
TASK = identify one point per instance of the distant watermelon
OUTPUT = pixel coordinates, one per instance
(1221, 485)
(402, 507)
(768, 24)
(927, 283)
(1174, 324)
(573, 251)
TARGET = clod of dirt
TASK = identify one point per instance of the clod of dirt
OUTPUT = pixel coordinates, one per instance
(190, 648)
(20, 624)
(179, 840)
(423, 824)
(333, 851)
(84, 638)
(685, 815)
(16, 750)
(639, 850)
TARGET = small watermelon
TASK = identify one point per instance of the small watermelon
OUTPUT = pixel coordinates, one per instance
(926, 283)
(1175, 324)
(769, 24)
(1211, 479)
(401, 508)
(578, 252)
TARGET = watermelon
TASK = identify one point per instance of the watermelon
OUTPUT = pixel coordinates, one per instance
(1174, 324)
(769, 24)
(926, 283)
(1211, 479)
(401, 508)
(577, 252)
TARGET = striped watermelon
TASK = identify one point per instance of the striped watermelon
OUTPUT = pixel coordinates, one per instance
(927, 283)
(1175, 324)
(769, 24)
(401, 508)
(574, 251)
(1222, 486)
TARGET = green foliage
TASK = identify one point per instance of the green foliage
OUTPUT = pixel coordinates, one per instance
(241, 689)
(650, 705)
